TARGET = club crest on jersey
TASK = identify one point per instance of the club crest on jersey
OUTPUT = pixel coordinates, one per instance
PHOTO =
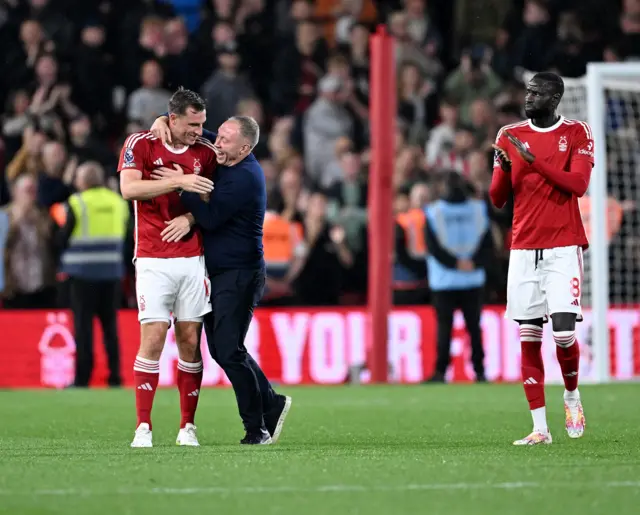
(562, 144)
(197, 167)
(128, 160)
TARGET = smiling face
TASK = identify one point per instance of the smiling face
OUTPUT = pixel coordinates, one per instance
(186, 128)
(230, 145)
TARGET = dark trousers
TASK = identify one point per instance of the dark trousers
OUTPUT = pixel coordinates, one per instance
(91, 299)
(234, 294)
(470, 303)
(41, 299)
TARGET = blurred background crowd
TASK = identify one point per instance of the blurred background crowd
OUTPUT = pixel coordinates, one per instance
(78, 76)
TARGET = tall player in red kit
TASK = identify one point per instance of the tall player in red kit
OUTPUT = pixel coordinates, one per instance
(171, 278)
(546, 162)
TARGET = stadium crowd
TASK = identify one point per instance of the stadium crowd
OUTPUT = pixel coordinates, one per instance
(79, 76)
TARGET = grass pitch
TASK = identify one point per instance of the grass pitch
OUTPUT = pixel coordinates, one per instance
(345, 450)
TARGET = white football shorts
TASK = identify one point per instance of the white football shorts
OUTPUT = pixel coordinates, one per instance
(172, 286)
(543, 282)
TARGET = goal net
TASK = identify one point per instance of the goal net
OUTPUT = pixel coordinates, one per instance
(609, 99)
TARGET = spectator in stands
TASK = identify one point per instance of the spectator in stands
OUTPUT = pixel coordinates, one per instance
(29, 254)
(55, 182)
(55, 24)
(84, 144)
(326, 120)
(415, 100)
(151, 99)
(28, 160)
(442, 136)
(482, 119)
(323, 253)
(473, 79)
(297, 70)
(226, 87)
(421, 29)
(358, 51)
(532, 46)
(181, 64)
(94, 78)
(16, 119)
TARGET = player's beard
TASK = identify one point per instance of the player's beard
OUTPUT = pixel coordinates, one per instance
(533, 112)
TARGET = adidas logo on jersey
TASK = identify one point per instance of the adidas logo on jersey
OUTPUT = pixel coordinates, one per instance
(158, 162)
(575, 303)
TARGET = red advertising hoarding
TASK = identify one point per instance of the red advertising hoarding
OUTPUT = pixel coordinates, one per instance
(307, 346)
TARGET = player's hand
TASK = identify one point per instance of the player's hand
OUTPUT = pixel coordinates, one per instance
(160, 129)
(466, 265)
(166, 173)
(503, 158)
(176, 229)
(520, 147)
(195, 183)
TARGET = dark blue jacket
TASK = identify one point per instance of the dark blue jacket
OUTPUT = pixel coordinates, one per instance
(232, 220)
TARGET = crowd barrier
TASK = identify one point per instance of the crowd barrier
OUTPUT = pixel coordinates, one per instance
(308, 346)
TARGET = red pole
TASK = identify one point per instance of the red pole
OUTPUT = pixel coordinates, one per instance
(383, 116)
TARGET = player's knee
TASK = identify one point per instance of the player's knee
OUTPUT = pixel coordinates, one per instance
(563, 322)
(188, 340)
(153, 335)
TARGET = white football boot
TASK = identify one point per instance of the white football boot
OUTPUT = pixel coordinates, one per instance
(142, 437)
(187, 436)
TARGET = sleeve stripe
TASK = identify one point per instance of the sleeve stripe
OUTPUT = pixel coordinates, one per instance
(585, 126)
(587, 129)
(510, 126)
(133, 139)
(205, 142)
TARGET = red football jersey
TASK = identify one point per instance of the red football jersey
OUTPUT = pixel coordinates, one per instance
(142, 151)
(546, 216)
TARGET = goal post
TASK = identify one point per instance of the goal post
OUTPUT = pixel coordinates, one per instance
(608, 98)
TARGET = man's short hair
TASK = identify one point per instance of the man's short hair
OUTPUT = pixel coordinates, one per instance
(553, 80)
(249, 129)
(184, 99)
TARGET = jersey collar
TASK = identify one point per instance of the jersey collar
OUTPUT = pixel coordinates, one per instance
(547, 129)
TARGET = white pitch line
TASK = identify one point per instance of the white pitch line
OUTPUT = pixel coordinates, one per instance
(213, 490)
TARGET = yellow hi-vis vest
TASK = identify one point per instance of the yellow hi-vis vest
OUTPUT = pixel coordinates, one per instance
(95, 249)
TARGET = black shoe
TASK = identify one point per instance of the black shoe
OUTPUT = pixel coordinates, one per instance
(274, 419)
(256, 438)
(437, 377)
(480, 378)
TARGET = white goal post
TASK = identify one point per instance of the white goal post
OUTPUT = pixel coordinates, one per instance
(608, 98)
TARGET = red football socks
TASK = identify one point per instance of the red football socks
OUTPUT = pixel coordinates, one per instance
(145, 373)
(531, 365)
(568, 353)
(189, 383)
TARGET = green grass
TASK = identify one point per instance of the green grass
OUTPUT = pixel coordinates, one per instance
(345, 450)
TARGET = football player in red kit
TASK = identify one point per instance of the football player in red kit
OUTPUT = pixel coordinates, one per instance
(171, 279)
(546, 163)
